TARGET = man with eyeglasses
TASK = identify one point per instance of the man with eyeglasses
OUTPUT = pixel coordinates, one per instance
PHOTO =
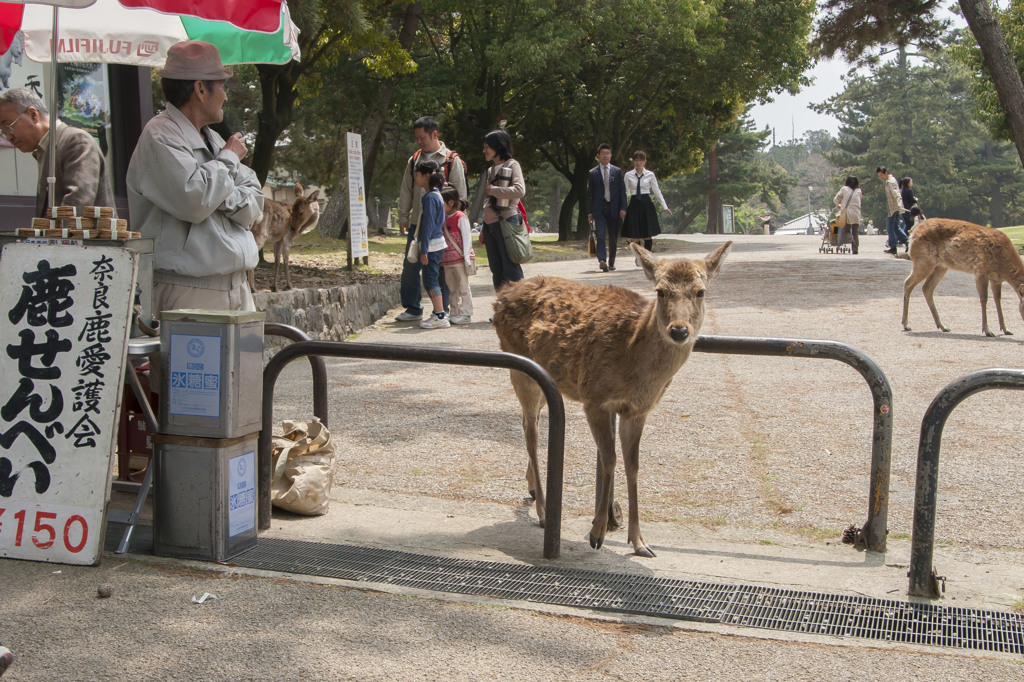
(81, 171)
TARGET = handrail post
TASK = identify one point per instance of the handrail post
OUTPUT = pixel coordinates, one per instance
(316, 365)
(923, 581)
(556, 411)
(873, 535)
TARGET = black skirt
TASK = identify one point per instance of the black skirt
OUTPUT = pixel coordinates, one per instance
(641, 218)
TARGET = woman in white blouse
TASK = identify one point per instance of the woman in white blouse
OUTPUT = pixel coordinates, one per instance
(641, 221)
(848, 198)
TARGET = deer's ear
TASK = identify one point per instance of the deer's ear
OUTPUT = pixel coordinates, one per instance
(714, 260)
(646, 259)
(1020, 291)
(313, 196)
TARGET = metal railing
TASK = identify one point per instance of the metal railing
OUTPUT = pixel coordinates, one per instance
(873, 535)
(923, 580)
(556, 411)
(316, 364)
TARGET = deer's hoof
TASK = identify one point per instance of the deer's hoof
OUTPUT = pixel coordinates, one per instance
(615, 517)
(533, 494)
(596, 542)
(1007, 332)
(944, 329)
(988, 333)
(906, 328)
(644, 551)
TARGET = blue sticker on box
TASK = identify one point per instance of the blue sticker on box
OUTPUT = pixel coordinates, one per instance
(241, 494)
(194, 375)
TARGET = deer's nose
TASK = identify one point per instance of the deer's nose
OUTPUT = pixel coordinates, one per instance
(679, 333)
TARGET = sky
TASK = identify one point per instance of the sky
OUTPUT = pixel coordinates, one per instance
(789, 112)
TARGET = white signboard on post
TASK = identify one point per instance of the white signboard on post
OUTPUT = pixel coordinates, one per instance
(63, 340)
(357, 233)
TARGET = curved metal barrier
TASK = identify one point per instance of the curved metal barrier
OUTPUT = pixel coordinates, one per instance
(923, 580)
(316, 364)
(872, 535)
(556, 410)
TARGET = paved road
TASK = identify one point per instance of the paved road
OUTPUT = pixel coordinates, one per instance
(751, 469)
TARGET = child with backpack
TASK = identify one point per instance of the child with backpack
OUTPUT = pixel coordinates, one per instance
(459, 260)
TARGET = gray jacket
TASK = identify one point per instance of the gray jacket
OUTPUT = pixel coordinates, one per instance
(195, 203)
(81, 170)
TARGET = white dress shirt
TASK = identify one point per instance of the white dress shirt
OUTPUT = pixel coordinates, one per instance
(648, 185)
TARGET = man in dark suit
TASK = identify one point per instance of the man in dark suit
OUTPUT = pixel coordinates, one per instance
(606, 199)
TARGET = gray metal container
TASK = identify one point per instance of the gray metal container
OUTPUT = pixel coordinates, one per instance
(204, 503)
(212, 382)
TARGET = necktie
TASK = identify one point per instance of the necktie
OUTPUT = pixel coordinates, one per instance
(607, 190)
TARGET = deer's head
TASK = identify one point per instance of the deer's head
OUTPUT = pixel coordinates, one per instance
(681, 285)
(305, 210)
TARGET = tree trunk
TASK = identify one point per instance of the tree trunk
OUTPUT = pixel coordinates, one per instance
(714, 205)
(277, 86)
(553, 207)
(334, 222)
(905, 118)
(1005, 75)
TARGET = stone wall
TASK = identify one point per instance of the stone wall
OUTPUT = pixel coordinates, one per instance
(331, 314)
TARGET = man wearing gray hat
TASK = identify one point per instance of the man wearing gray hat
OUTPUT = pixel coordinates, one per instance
(188, 190)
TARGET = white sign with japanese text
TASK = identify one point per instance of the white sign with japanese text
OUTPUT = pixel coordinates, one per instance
(63, 340)
(357, 232)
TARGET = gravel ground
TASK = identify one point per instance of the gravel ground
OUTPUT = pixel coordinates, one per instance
(738, 442)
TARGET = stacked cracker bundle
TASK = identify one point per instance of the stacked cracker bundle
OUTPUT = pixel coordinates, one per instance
(97, 222)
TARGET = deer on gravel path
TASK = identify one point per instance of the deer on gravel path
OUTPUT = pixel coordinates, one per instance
(281, 224)
(611, 349)
(938, 245)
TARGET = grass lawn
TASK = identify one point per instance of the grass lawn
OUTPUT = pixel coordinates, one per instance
(1016, 235)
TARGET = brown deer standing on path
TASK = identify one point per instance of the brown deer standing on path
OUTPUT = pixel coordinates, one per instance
(939, 244)
(281, 224)
(611, 349)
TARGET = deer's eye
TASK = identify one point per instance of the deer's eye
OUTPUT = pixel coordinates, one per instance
(700, 294)
(661, 293)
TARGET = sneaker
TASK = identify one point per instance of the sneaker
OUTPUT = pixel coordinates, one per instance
(461, 319)
(603, 266)
(6, 658)
(892, 251)
(408, 317)
(611, 267)
(433, 323)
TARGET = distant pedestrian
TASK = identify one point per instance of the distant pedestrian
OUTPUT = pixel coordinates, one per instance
(504, 188)
(458, 255)
(894, 211)
(909, 202)
(848, 199)
(641, 217)
(430, 233)
(606, 201)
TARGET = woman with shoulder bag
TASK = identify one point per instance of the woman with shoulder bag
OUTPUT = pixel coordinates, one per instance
(504, 186)
(847, 200)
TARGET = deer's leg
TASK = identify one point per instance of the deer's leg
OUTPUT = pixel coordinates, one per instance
(981, 282)
(277, 263)
(916, 276)
(286, 249)
(997, 298)
(531, 398)
(601, 427)
(928, 289)
(630, 432)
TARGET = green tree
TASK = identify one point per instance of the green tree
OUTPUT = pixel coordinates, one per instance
(958, 170)
(853, 27)
(663, 75)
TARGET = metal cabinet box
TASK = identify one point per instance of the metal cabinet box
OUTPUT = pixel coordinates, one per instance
(204, 503)
(212, 382)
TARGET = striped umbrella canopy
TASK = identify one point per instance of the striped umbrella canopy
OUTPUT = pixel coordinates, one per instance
(107, 31)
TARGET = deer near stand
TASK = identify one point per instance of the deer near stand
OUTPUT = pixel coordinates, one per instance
(280, 225)
(611, 349)
(939, 244)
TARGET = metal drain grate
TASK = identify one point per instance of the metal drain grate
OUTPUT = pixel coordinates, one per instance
(746, 605)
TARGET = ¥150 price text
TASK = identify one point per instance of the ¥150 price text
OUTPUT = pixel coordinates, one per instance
(43, 529)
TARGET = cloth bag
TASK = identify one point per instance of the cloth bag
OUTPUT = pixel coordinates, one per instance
(303, 460)
(517, 242)
(414, 250)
